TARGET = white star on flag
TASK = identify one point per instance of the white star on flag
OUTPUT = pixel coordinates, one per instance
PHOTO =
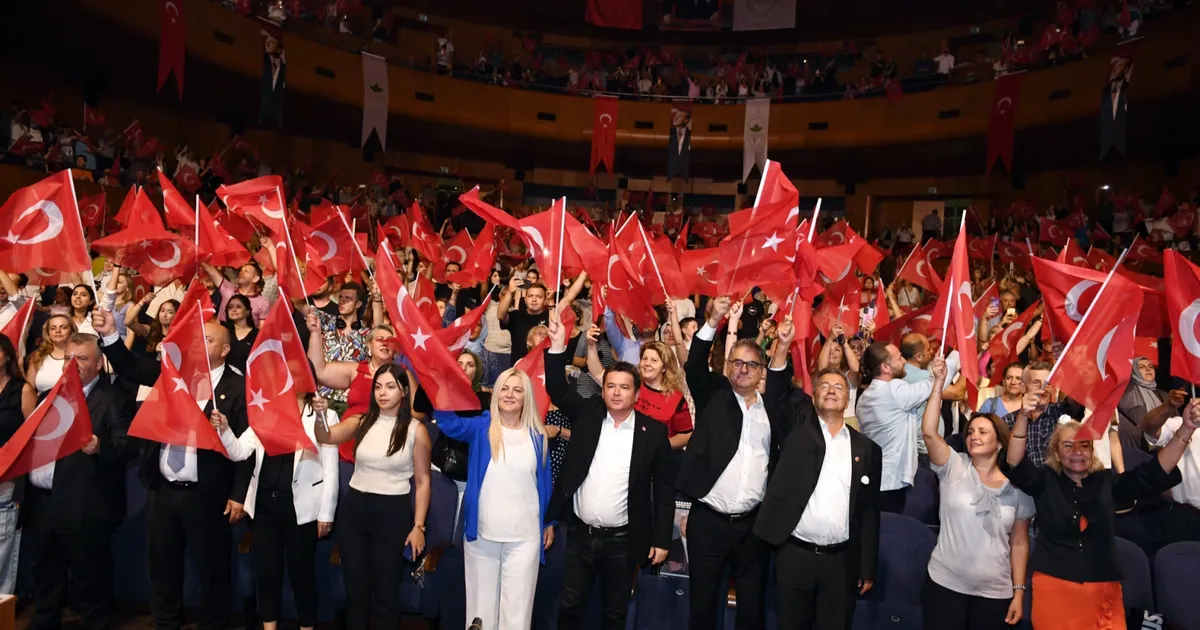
(773, 241)
(257, 399)
(180, 385)
(419, 339)
(262, 200)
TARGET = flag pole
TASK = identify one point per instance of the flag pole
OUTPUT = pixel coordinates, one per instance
(207, 361)
(357, 248)
(562, 231)
(1095, 302)
(627, 219)
(762, 182)
(653, 262)
(953, 291)
(197, 234)
(287, 233)
(812, 229)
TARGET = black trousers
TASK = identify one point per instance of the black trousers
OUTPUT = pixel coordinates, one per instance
(1182, 524)
(276, 537)
(182, 521)
(814, 590)
(893, 500)
(593, 553)
(74, 558)
(714, 541)
(371, 533)
(944, 609)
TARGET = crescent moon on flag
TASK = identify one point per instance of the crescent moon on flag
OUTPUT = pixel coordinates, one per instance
(1102, 351)
(1003, 104)
(66, 418)
(537, 238)
(606, 119)
(169, 350)
(400, 295)
(1010, 330)
(1187, 328)
(171, 8)
(332, 248)
(1079, 259)
(461, 250)
(1054, 229)
(794, 212)
(1074, 296)
(54, 223)
(270, 345)
(611, 260)
(424, 300)
(170, 262)
(841, 238)
(923, 274)
(274, 214)
(965, 289)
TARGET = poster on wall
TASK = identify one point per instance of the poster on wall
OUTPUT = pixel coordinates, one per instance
(677, 560)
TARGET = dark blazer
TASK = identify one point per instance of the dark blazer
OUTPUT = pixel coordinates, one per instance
(718, 426)
(795, 478)
(651, 496)
(89, 490)
(219, 479)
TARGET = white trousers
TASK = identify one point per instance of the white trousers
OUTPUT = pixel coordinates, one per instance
(501, 579)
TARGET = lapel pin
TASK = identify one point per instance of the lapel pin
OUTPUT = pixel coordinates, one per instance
(223, 398)
(866, 480)
(857, 459)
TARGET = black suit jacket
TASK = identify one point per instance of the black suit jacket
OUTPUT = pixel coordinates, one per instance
(803, 453)
(718, 426)
(218, 479)
(89, 490)
(651, 496)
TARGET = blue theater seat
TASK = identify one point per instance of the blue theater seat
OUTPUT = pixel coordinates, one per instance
(922, 501)
(1176, 573)
(905, 545)
(1135, 575)
(886, 615)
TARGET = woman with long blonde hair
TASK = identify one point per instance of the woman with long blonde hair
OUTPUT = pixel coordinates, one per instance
(47, 361)
(504, 508)
(662, 394)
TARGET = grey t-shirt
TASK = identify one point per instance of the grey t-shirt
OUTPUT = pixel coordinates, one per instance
(972, 555)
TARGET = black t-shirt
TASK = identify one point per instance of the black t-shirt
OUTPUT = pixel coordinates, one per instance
(752, 315)
(520, 322)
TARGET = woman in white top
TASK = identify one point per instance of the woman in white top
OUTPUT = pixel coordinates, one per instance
(977, 570)
(508, 488)
(380, 526)
(83, 300)
(46, 362)
(291, 502)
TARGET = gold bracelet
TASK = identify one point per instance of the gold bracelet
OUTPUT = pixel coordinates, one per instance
(1017, 437)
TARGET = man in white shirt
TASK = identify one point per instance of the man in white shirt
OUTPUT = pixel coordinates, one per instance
(945, 64)
(614, 491)
(445, 53)
(889, 412)
(1183, 518)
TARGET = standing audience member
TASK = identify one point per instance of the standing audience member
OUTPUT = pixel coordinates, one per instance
(1183, 516)
(661, 395)
(615, 490)
(17, 400)
(243, 332)
(1040, 413)
(508, 489)
(977, 570)
(724, 472)
(378, 523)
(291, 502)
(47, 361)
(1076, 576)
(821, 511)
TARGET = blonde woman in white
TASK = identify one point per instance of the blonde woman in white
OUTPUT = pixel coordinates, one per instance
(504, 508)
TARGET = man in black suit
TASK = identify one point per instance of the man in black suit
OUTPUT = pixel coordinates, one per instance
(724, 471)
(73, 505)
(614, 490)
(194, 494)
(821, 510)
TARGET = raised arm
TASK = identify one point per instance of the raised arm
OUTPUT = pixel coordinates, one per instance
(237, 448)
(939, 451)
(1019, 438)
(1152, 420)
(701, 381)
(1169, 455)
(506, 301)
(335, 375)
(681, 349)
(561, 393)
(572, 292)
(595, 367)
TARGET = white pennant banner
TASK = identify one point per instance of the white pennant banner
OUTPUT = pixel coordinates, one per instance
(375, 98)
(754, 135)
(763, 15)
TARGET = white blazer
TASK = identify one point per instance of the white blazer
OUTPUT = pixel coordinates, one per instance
(314, 474)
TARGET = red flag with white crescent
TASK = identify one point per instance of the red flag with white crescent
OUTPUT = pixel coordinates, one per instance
(60, 426)
(1003, 345)
(1002, 121)
(40, 227)
(604, 133)
(1183, 305)
(955, 311)
(17, 328)
(172, 45)
(272, 383)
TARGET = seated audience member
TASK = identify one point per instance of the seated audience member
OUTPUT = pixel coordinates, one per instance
(1145, 403)
(1076, 577)
(1183, 517)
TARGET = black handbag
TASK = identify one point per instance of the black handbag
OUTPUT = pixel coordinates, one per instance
(450, 456)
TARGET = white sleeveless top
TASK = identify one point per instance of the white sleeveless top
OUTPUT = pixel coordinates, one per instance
(48, 373)
(375, 471)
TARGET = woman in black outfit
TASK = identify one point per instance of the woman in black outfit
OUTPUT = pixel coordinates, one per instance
(17, 400)
(242, 331)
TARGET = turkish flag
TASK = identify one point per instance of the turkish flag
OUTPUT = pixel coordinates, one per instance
(840, 233)
(137, 210)
(1146, 347)
(40, 227)
(956, 311)
(17, 328)
(882, 315)
(936, 250)
(456, 250)
(490, 213)
(625, 295)
(306, 281)
(332, 243)
(1068, 293)
(459, 332)
(172, 44)
(841, 306)
(604, 133)
(92, 209)
(867, 259)
(1099, 259)
(1139, 249)
(238, 226)
(58, 427)
(1074, 221)
(917, 270)
(919, 321)
(1012, 253)
(699, 266)
(217, 246)
(441, 378)
(157, 254)
(179, 212)
(1095, 365)
(533, 364)
(273, 383)
(92, 117)
(1182, 221)
(422, 236)
(985, 300)
(1073, 254)
(426, 301)
(1098, 233)
(399, 228)
(196, 298)
(1051, 231)
(171, 415)
(480, 259)
(260, 199)
(759, 256)
(1002, 122)
(626, 14)
(591, 251)
(982, 248)
(659, 266)
(1183, 304)
(1003, 345)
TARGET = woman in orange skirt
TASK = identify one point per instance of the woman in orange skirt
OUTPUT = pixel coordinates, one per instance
(1076, 579)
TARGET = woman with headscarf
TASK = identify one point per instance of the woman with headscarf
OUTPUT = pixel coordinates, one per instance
(1144, 402)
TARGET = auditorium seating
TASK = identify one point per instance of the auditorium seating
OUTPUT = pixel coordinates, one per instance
(1135, 569)
(922, 502)
(1176, 573)
(905, 545)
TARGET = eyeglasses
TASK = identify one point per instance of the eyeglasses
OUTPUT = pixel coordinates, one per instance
(837, 387)
(739, 364)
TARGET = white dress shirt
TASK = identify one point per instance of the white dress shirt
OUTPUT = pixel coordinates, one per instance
(826, 518)
(889, 413)
(603, 498)
(1187, 492)
(741, 486)
(43, 476)
(190, 471)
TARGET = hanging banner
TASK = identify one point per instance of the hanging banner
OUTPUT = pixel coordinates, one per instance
(763, 15)
(172, 45)
(626, 14)
(1002, 122)
(604, 133)
(375, 98)
(679, 150)
(754, 135)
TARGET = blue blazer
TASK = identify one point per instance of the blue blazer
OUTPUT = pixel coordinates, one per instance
(474, 431)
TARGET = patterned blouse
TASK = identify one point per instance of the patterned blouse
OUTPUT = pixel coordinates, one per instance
(349, 346)
(558, 446)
